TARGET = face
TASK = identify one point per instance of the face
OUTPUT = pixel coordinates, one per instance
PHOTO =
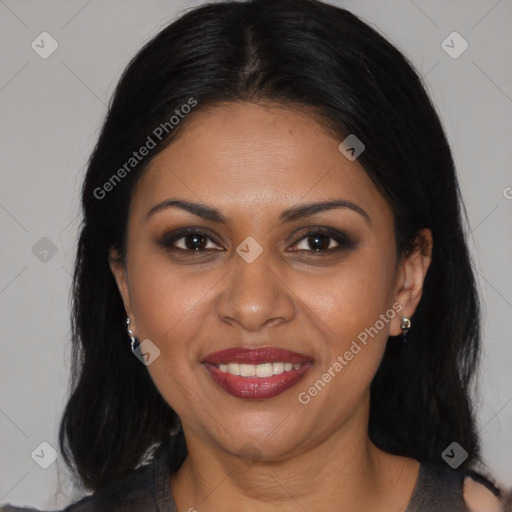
(263, 271)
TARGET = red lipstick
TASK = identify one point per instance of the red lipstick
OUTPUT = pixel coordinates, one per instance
(256, 356)
(254, 387)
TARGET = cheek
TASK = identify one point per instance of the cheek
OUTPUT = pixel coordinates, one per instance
(354, 339)
(347, 306)
(174, 308)
(166, 302)
(350, 298)
(166, 305)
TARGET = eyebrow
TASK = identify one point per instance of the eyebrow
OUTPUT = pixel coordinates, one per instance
(289, 215)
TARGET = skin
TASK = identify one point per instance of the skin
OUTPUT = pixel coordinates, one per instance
(251, 162)
(479, 498)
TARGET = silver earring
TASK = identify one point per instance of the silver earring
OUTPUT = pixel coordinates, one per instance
(405, 326)
(134, 341)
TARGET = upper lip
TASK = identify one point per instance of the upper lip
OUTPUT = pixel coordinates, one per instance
(255, 356)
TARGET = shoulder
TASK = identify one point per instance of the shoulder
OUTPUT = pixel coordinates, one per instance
(134, 491)
(458, 489)
(481, 497)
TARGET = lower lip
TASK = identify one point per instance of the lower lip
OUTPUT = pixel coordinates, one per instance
(255, 388)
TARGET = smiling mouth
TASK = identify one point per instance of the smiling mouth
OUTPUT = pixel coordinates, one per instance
(258, 370)
(254, 387)
(258, 373)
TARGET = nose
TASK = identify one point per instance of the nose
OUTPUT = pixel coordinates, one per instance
(254, 296)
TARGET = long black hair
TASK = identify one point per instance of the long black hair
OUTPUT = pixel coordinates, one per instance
(306, 55)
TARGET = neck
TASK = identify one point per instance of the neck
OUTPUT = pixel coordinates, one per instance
(345, 468)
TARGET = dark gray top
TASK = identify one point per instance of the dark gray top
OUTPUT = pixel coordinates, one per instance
(146, 489)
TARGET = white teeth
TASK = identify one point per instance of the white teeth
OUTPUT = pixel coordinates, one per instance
(247, 370)
(264, 370)
(258, 370)
(234, 368)
(277, 368)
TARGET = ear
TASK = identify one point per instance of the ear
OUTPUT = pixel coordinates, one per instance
(410, 277)
(118, 268)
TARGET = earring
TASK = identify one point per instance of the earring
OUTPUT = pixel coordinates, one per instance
(134, 341)
(405, 326)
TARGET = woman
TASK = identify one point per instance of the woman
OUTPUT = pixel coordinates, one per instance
(274, 303)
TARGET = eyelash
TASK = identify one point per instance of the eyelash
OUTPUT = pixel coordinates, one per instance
(343, 241)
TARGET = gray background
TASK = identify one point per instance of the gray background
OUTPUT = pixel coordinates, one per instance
(51, 110)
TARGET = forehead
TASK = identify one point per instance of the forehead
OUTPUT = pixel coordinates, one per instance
(250, 158)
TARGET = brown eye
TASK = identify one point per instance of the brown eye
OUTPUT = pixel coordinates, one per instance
(316, 242)
(188, 241)
(320, 241)
(194, 241)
